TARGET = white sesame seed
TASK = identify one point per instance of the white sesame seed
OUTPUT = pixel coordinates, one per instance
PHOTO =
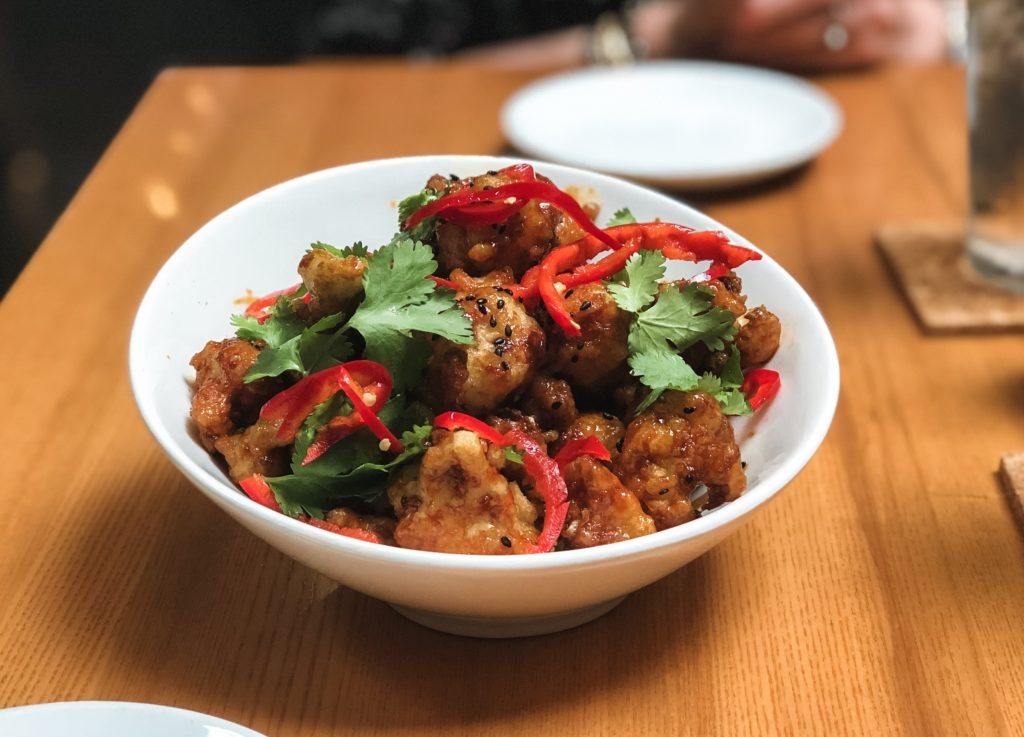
(559, 287)
(384, 444)
(369, 398)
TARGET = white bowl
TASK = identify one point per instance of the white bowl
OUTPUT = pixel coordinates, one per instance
(256, 245)
(113, 719)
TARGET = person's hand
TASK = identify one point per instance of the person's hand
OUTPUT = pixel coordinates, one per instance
(805, 34)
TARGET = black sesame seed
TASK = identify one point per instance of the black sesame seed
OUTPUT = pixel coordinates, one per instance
(493, 322)
(556, 405)
(499, 341)
(482, 301)
(508, 331)
(569, 293)
(579, 346)
(470, 297)
(585, 306)
(520, 300)
(608, 415)
(505, 541)
(689, 478)
(504, 366)
(575, 358)
(454, 177)
(482, 308)
(618, 444)
(663, 492)
(689, 410)
(499, 351)
(501, 304)
(743, 464)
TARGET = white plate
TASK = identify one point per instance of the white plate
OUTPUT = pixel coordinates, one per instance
(679, 123)
(113, 719)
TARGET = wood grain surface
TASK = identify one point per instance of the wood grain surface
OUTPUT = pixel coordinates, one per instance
(882, 593)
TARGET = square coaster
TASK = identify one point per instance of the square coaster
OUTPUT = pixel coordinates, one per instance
(926, 259)
(1011, 473)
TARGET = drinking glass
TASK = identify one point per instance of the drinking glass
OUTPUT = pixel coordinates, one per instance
(995, 92)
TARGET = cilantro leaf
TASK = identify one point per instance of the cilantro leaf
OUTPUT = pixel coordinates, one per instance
(399, 300)
(621, 217)
(660, 369)
(636, 286)
(312, 493)
(356, 249)
(281, 332)
(282, 325)
(411, 204)
(512, 455)
(681, 317)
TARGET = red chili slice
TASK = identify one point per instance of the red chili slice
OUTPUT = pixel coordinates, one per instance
(353, 532)
(292, 406)
(578, 447)
(257, 489)
(509, 195)
(760, 386)
(355, 392)
(258, 307)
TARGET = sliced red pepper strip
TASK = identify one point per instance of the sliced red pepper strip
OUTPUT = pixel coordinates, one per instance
(484, 213)
(606, 268)
(508, 194)
(577, 447)
(336, 429)
(258, 307)
(549, 483)
(760, 386)
(355, 393)
(292, 406)
(446, 283)
(353, 532)
(368, 377)
(257, 489)
(541, 468)
(559, 259)
(459, 420)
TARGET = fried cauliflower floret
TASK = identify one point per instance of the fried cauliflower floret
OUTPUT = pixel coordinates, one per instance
(758, 337)
(671, 449)
(382, 527)
(254, 450)
(222, 401)
(601, 509)
(335, 282)
(518, 243)
(597, 358)
(508, 344)
(457, 501)
(550, 400)
(604, 426)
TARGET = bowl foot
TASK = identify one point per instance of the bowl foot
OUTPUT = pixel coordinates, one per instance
(497, 627)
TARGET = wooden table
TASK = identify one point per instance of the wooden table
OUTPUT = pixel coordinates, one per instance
(883, 593)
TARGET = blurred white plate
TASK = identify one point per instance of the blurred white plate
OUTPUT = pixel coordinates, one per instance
(113, 719)
(678, 123)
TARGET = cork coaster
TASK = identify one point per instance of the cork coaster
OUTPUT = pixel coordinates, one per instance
(1011, 473)
(927, 262)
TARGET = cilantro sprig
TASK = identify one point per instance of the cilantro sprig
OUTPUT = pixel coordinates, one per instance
(400, 301)
(621, 217)
(666, 322)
